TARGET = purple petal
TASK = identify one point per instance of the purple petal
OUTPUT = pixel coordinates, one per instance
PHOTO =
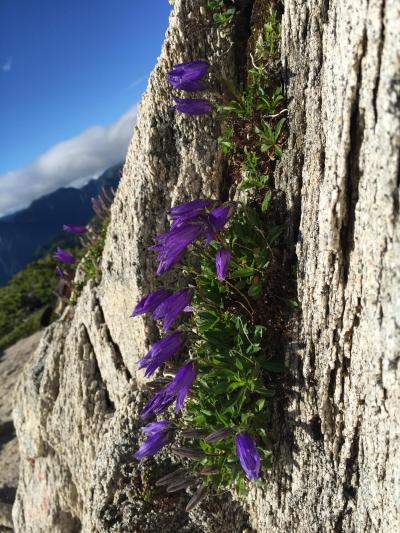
(161, 352)
(178, 389)
(248, 455)
(64, 256)
(172, 307)
(222, 260)
(155, 427)
(192, 106)
(182, 383)
(150, 302)
(172, 244)
(160, 401)
(189, 207)
(188, 76)
(153, 444)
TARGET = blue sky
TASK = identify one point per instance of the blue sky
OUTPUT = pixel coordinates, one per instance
(67, 65)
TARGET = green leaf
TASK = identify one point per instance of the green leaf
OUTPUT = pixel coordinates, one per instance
(266, 201)
(260, 404)
(239, 364)
(243, 272)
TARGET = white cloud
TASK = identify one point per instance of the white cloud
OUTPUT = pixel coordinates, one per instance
(72, 162)
(6, 67)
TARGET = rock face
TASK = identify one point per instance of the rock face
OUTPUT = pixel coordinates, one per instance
(338, 456)
(339, 467)
(12, 362)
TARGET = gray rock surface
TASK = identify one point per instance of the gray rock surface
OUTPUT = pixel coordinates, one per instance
(12, 361)
(337, 462)
(339, 455)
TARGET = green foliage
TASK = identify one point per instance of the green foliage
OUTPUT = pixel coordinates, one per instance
(252, 177)
(223, 11)
(255, 114)
(235, 383)
(269, 42)
(25, 301)
(226, 141)
(270, 136)
(242, 107)
(94, 250)
(271, 104)
(238, 372)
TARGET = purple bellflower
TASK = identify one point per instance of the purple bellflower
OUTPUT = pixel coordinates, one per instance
(170, 309)
(248, 455)
(73, 228)
(192, 106)
(150, 302)
(217, 219)
(158, 437)
(189, 207)
(64, 256)
(154, 427)
(177, 390)
(162, 351)
(222, 260)
(172, 244)
(188, 76)
(194, 211)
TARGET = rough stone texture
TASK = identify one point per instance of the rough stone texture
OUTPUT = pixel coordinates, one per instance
(338, 456)
(339, 467)
(12, 362)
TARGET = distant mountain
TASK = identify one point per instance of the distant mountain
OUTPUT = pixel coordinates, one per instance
(23, 235)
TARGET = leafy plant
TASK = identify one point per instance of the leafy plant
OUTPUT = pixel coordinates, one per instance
(27, 302)
(226, 141)
(92, 258)
(270, 137)
(243, 107)
(271, 104)
(269, 42)
(224, 11)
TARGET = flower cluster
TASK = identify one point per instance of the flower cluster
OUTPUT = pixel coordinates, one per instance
(199, 220)
(189, 77)
(202, 220)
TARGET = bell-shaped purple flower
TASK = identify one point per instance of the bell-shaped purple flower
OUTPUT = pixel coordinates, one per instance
(150, 302)
(172, 307)
(64, 256)
(162, 351)
(192, 106)
(217, 219)
(158, 437)
(154, 427)
(172, 244)
(188, 76)
(222, 260)
(178, 389)
(189, 207)
(73, 228)
(194, 211)
(248, 455)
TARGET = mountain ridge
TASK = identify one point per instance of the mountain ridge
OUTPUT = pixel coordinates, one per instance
(24, 233)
